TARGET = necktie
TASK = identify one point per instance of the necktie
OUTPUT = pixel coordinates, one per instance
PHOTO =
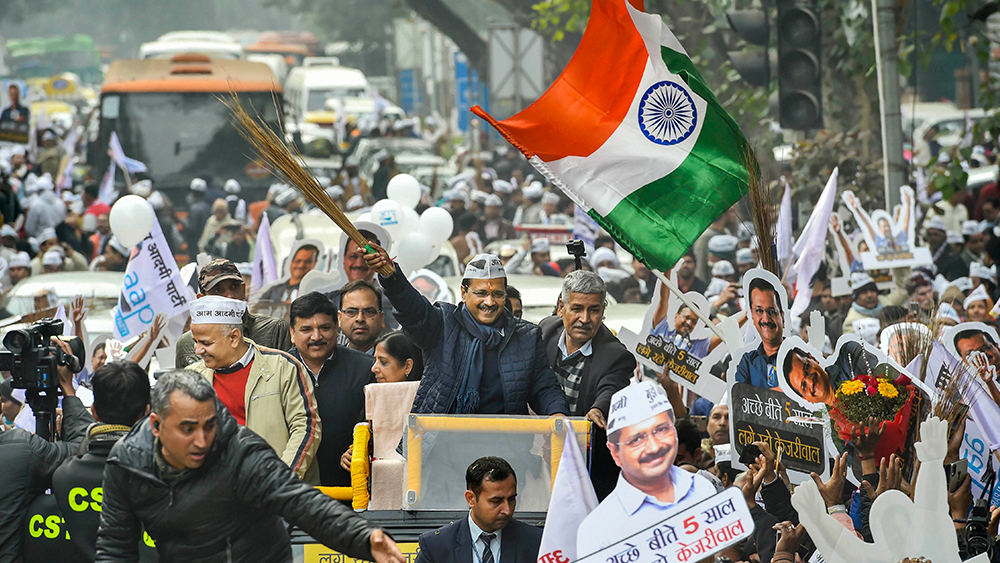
(487, 552)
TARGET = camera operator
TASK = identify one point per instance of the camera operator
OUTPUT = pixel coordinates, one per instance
(121, 398)
(27, 462)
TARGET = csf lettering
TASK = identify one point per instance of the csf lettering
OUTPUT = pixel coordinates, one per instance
(46, 526)
(553, 557)
(78, 499)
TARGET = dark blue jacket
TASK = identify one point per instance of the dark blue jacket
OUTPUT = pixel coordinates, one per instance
(437, 329)
(519, 543)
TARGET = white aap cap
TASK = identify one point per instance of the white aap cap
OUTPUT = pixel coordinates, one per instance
(20, 260)
(539, 245)
(636, 403)
(978, 270)
(970, 228)
(936, 223)
(231, 187)
(199, 185)
(723, 268)
(955, 237)
(723, 453)
(217, 310)
(978, 294)
(8, 231)
(485, 267)
(52, 258)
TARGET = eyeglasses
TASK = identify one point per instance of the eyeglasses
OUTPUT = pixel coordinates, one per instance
(497, 295)
(368, 312)
(659, 434)
(770, 311)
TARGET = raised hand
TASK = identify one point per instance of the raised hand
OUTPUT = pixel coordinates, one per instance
(933, 444)
(833, 490)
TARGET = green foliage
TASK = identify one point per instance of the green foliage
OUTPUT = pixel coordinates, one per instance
(556, 18)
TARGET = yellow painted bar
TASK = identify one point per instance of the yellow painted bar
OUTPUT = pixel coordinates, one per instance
(361, 466)
(338, 493)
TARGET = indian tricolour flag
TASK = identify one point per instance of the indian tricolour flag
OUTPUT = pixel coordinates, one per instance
(633, 135)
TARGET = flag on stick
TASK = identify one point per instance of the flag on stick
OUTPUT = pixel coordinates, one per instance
(264, 270)
(573, 498)
(812, 241)
(631, 133)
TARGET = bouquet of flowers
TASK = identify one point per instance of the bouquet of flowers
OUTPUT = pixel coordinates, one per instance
(889, 401)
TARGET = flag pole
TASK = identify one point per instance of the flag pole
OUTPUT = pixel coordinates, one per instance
(684, 299)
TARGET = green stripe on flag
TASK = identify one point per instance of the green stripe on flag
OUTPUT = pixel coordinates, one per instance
(660, 221)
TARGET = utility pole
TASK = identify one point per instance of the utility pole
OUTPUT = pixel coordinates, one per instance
(887, 63)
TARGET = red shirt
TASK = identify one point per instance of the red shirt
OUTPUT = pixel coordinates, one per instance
(232, 390)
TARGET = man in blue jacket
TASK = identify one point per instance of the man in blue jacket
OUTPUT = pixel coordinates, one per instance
(478, 358)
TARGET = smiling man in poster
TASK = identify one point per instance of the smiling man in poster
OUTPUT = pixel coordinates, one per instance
(643, 442)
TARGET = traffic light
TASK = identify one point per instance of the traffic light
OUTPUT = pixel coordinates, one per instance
(800, 77)
(752, 64)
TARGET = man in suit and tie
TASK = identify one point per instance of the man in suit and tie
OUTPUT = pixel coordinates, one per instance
(489, 534)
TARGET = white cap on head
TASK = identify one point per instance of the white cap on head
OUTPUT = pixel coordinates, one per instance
(47, 233)
(550, 197)
(335, 192)
(533, 190)
(723, 452)
(156, 201)
(454, 194)
(744, 256)
(19, 150)
(963, 284)
(142, 188)
(978, 294)
(539, 245)
(8, 231)
(285, 196)
(217, 310)
(722, 243)
(52, 258)
(20, 260)
(199, 185)
(31, 184)
(493, 200)
(484, 267)
(355, 202)
(946, 311)
(502, 187)
(978, 270)
(604, 254)
(859, 280)
(723, 268)
(955, 238)
(636, 403)
(119, 247)
(970, 228)
(231, 187)
(478, 196)
(937, 223)
(45, 183)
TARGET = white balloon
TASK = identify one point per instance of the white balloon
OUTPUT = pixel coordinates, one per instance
(411, 220)
(404, 190)
(365, 217)
(131, 219)
(389, 215)
(436, 224)
(414, 251)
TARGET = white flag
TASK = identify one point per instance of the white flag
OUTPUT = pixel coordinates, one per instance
(573, 498)
(152, 284)
(264, 269)
(784, 230)
(108, 193)
(812, 242)
(118, 155)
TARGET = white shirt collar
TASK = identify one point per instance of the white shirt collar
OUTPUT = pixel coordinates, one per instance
(476, 531)
(587, 349)
(245, 360)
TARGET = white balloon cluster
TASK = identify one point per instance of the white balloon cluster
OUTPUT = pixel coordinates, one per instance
(418, 238)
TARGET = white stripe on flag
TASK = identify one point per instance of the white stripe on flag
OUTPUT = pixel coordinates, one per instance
(572, 499)
(264, 269)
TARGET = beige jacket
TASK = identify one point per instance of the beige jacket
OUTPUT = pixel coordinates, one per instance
(897, 296)
(281, 408)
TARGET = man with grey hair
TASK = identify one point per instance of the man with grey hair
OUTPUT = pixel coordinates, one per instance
(266, 390)
(206, 487)
(589, 362)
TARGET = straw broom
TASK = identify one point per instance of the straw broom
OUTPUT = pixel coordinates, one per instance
(284, 164)
(762, 213)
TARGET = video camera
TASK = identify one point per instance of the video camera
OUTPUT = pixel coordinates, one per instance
(33, 362)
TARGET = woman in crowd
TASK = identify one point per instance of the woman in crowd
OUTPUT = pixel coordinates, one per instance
(397, 359)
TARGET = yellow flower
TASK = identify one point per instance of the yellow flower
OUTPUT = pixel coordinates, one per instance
(887, 390)
(851, 387)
